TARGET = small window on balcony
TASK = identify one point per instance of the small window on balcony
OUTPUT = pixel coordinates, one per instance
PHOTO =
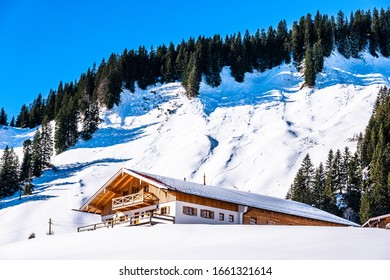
(125, 193)
(135, 190)
(146, 189)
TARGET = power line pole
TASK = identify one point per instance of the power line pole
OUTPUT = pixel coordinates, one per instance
(50, 223)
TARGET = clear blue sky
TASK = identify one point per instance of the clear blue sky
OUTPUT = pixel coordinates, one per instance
(44, 42)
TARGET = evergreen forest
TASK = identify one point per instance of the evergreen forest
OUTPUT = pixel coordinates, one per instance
(355, 186)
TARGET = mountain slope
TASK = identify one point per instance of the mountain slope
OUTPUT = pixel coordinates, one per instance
(252, 136)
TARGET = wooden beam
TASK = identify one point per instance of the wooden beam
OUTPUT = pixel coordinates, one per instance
(123, 180)
(95, 207)
(109, 189)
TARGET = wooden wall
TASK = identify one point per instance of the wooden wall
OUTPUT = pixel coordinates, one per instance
(206, 201)
(162, 194)
(265, 217)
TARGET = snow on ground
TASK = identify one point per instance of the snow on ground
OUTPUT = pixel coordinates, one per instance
(200, 242)
(251, 136)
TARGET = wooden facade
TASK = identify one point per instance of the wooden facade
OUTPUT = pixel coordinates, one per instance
(257, 216)
(134, 193)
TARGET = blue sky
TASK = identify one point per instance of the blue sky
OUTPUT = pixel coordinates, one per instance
(44, 42)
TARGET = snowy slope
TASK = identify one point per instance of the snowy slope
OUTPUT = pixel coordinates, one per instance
(207, 242)
(251, 136)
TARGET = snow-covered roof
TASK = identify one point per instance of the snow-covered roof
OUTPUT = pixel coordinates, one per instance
(245, 198)
(373, 219)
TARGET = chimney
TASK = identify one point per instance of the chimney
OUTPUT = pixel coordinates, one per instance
(204, 179)
(185, 179)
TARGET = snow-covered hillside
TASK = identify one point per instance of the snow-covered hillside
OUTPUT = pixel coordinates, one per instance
(251, 136)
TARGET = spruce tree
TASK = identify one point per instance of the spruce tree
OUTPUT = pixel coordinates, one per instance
(3, 117)
(36, 156)
(365, 207)
(90, 121)
(9, 175)
(303, 185)
(60, 135)
(310, 73)
(193, 77)
(12, 123)
(46, 143)
(25, 168)
(318, 193)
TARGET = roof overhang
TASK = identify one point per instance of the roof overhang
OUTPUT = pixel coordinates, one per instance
(90, 205)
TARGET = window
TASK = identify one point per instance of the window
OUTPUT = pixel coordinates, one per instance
(190, 211)
(221, 216)
(123, 218)
(207, 214)
(164, 210)
(135, 190)
(253, 221)
(125, 193)
(231, 219)
(146, 189)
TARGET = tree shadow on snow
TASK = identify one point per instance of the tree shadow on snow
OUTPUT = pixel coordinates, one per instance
(68, 170)
(110, 136)
(14, 200)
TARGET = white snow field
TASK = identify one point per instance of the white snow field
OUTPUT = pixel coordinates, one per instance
(251, 136)
(199, 242)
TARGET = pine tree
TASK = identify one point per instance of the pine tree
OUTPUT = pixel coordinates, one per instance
(303, 185)
(91, 121)
(22, 119)
(365, 207)
(9, 177)
(36, 156)
(12, 123)
(319, 187)
(193, 77)
(60, 135)
(46, 143)
(329, 204)
(310, 73)
(25, 168)
(318, 56)
(297, 41)
(338, 173)
(3, 117)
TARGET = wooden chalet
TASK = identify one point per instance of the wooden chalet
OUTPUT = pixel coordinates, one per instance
(132, 196)
(378, 222)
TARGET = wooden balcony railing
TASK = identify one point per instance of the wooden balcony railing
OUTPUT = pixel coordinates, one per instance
(134, 199)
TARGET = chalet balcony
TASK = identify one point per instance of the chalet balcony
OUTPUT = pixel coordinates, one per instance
(133, 201)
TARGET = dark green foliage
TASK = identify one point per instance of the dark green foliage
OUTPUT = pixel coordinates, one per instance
(9, 175)
(193, 75)
(36, 157)
(304, 182)
(23, 119)
(25, 168)
(90, 121)
(310, 74)
(12, 123)
(3, 117)
(318, 192)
